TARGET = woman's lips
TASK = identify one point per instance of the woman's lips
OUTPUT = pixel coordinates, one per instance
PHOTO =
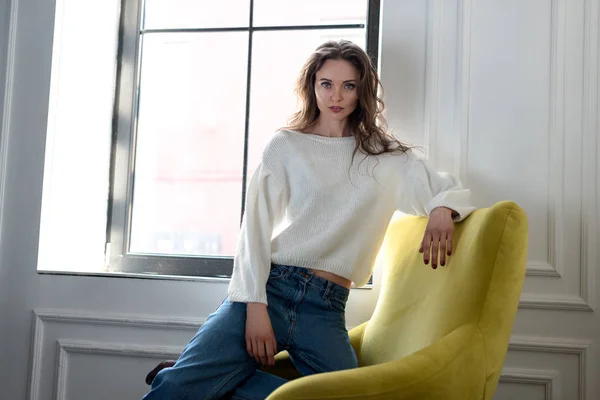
(336, 109)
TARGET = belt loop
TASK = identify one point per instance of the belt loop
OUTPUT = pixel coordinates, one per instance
(327, 289)
(289, 270)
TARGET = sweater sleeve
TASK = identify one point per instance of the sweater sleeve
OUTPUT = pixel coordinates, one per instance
(427, 189)
(264, 211)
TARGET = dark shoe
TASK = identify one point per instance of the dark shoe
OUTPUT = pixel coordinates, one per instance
(162, 365)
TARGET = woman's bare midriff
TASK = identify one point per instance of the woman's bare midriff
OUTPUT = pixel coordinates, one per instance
(340, 280)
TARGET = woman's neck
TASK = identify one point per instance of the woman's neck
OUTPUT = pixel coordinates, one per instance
(330, 128)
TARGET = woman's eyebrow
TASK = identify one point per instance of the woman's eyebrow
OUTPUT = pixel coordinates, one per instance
(329, 80)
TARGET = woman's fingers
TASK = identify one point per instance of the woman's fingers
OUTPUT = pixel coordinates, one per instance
(436, 246)
(435, 249)
(437, 241)
(256, 346)
(262, 353)
(249, 347)
(260, 339)
(443, 245)
(254, 349)
(270, 353)
(426, 246)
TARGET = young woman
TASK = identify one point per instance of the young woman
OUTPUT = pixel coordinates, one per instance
(317, 209)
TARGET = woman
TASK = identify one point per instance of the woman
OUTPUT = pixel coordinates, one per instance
(317, 209)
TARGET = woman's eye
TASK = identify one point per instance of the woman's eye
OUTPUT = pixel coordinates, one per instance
(350, 86)
(326, 85)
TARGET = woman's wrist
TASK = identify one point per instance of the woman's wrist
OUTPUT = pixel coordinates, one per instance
(256, 306)
(450, 211)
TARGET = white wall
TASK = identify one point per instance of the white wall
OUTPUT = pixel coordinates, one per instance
(4, 21)
(505, 95)
(472, 80)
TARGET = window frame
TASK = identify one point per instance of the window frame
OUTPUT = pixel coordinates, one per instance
(124, 128)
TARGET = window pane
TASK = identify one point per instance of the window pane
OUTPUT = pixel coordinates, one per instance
(79, 51)
(164, 14)
(190, 144)
(277, 58)
(309, 12)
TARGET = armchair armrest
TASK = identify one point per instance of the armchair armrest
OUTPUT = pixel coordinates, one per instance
(356, 336)
(452, 368)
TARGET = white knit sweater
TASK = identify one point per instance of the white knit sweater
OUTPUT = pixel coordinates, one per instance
(307, 206)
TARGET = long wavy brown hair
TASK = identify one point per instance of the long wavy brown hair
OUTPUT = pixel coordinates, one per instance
(366, 122)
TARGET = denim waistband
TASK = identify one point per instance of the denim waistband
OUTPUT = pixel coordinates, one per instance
(325, 287)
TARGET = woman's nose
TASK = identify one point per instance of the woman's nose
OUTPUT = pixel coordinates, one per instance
(336, 95)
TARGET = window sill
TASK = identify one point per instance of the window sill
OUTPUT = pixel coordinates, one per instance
(133, 275)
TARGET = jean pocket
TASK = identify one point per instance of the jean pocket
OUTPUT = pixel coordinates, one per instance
(336, 304)
(277, 272)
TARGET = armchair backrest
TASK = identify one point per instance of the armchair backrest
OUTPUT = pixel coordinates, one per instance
(480, 285)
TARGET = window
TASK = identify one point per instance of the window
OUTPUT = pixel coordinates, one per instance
(201, 87)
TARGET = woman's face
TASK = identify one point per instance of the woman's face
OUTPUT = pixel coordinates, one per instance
(336, 89)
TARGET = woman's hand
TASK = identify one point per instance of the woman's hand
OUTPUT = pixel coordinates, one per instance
(438, 236)
(260, 338)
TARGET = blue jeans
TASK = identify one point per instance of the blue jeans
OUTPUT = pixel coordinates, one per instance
(307, 315)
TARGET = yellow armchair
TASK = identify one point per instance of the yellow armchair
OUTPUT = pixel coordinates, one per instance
(434, 334)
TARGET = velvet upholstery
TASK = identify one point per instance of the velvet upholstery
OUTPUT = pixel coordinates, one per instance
(434, 334)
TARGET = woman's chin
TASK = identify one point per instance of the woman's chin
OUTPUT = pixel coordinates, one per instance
(333, 116)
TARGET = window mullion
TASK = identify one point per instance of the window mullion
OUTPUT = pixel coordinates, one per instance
(373, 14)
(255, 28)
(247, 120)
(125, 113)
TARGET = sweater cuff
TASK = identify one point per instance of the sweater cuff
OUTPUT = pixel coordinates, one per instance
(238, 297)
(459, 213)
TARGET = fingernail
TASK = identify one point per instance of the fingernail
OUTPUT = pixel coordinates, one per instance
(449, 253)
(442, 264)
(426, 262)
(434, 266)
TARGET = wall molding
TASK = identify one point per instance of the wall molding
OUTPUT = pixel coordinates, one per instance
(435, 11)
(556, 263)
(556, 157)
(65, 347)
(7, 104)
(596, 133)
(43, 316)
(580, 348)
(590, 227)
(102, 318)
(35, 369)
(541, 268)
(558, 303)
(463, 93)
(547, 379)
(553, 268)
(590, 224)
